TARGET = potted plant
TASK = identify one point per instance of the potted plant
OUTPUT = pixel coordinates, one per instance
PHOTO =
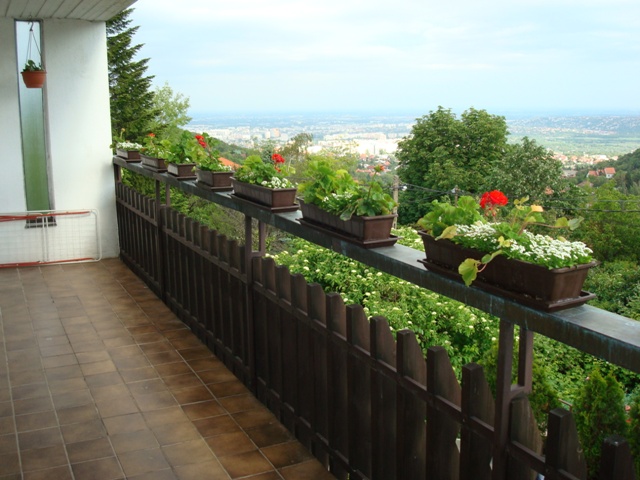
(363, 212)
(33, 74)
(495, 246)
(154, 153)
(130, 151)
(210, 172)
(265, 183)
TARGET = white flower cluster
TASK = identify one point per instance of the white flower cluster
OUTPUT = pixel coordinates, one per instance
(276, 182)
(128, 146)
(533, 248)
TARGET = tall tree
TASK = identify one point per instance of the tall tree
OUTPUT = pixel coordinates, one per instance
(170, 110)
(527, 170)
(129, 87)
(444, 152)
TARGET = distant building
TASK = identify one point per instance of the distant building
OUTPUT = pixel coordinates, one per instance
(607, 172)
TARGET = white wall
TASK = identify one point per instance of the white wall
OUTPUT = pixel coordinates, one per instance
(12, 196)
(78, 122)
(77, 100)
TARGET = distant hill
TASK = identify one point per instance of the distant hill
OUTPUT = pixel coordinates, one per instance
(581, 134)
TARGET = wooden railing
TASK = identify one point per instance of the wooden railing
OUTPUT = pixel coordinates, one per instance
(368, 405)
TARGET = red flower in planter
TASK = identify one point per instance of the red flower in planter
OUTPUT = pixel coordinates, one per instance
(490, 201)
(277, 158)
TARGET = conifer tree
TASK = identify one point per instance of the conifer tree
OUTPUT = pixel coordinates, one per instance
(599, 413)
(129, 87)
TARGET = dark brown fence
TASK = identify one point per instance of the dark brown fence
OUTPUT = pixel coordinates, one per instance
(368, 405)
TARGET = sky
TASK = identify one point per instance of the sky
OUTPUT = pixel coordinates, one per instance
(540, 56)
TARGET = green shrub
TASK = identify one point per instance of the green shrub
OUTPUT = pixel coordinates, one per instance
(599, 413)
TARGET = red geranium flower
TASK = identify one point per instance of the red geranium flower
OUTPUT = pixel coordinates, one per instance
(277, 158)
(152, 135)
(492, 199)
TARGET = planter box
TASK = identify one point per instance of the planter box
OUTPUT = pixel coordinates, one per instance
(182, 171)
(363, 229)
(214, 180)
(280, 198)
(543, 287)
(129, 155)
(153, 163)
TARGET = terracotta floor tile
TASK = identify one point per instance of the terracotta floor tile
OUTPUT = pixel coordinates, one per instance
(32, 405)
(190, 395)
(142, 461)
(211, 426)
(286, 454)
(57, 473)
(138, 374)
(132, 441)
(89, 450)
(271, 434)
(231, 444)
(154, 401)
(170, 369)
(198, 471)
(9, 464)
(125, 423)
(311, 470)
(90, 348)
(103, 469)
(78, 414)
(209, 408)
(194, 451)
(113, 407)
(80, 432)
(227, 389)
(46, 437)
(177, 382)
(167, 474)
(41, 458)
(240, 403)
(169, 434)
(165, 416)
(30, 391)
(8, 444)
(104, 379)
(244, 464)
(36, 421)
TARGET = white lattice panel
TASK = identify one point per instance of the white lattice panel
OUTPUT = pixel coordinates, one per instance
(34, 238)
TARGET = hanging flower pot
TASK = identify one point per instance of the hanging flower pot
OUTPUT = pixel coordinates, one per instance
(34, 78)
(33, 73)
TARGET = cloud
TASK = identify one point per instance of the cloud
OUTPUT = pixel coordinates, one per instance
(460, 48)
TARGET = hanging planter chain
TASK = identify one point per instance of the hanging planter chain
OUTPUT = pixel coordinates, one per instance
(32, 39)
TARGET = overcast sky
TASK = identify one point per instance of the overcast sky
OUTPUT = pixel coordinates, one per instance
(400, 55)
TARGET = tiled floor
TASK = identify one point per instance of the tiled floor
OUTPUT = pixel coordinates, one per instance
(99, 380)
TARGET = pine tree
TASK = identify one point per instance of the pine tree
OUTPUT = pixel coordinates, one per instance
(129, 88)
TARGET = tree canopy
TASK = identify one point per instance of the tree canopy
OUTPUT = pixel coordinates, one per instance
(444, 152)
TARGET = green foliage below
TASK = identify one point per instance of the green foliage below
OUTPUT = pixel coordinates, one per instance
(599, 412)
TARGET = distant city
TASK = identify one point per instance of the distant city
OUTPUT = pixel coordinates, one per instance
(575, 139)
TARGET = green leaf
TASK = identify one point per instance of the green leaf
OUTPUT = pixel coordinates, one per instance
(469, 270)
(448, 232)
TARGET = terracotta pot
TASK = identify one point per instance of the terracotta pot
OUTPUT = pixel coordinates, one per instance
(214, 180)
(129, 155)
(362, 228)
(534, 281)
(270, 197)
(153, 163)
(182, 171)
(34, 79)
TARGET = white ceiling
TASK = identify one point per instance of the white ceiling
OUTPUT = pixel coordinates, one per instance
(92, 10)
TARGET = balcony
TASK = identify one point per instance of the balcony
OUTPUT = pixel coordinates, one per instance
(100, 380)
(349, 393)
